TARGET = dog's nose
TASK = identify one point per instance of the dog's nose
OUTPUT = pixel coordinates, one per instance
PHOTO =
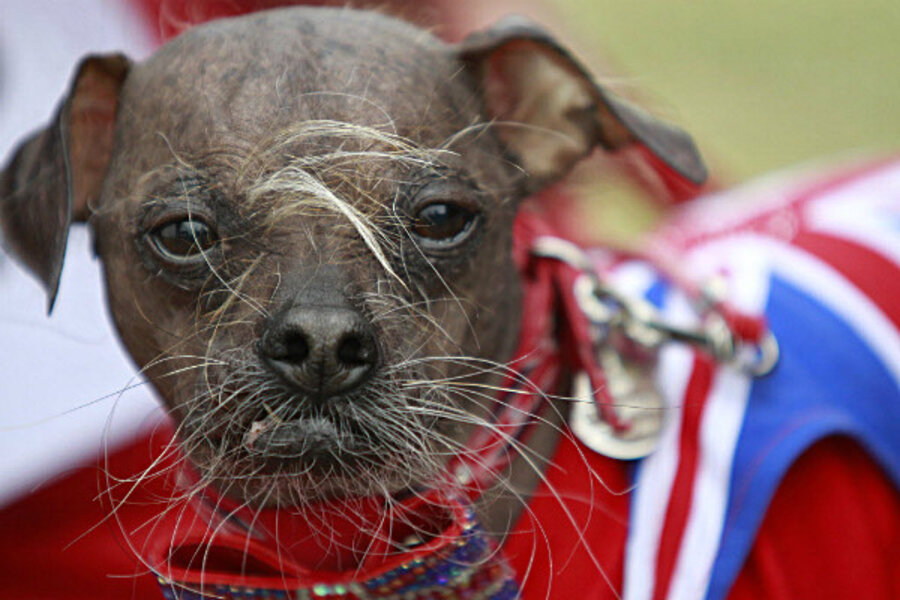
(323, 350)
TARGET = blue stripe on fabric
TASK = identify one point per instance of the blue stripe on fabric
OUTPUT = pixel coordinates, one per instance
(827, 382)
(656, 293)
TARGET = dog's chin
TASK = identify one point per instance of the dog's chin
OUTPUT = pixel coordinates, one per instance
(307, 460)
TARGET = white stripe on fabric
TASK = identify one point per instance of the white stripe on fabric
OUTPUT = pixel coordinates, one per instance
(719, 431)
(633, 278)
(720, 424)
(656, 473)
(866, 211)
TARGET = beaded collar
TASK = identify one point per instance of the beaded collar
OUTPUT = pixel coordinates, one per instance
(219, 554)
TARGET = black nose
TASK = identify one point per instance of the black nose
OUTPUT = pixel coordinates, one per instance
(323, 350)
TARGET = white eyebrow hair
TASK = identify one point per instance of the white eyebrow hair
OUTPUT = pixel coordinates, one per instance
(298, 187)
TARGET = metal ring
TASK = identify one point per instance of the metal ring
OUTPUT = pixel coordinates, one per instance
(588, 298)
(768, 354)
(719, 338)
(640, 323)
(563, 250)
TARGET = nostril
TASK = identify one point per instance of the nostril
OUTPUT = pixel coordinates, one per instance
(295, 347)
(287, 346)
(353, 351)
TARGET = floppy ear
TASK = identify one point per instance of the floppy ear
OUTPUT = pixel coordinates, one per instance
(56, 175)
(550, 112)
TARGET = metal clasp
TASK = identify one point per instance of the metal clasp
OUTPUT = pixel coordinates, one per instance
(641, 323)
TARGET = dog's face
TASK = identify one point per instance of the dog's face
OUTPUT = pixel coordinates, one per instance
(305, 219)
(307, 239)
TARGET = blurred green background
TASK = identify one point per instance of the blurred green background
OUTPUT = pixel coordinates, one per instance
(761, 85)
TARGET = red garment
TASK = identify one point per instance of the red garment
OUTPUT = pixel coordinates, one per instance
(832, 531)
(835, 504)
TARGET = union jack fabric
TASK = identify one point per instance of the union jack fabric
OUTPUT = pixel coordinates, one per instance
(820, 258)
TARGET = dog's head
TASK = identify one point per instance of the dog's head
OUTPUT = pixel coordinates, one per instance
(304, 218)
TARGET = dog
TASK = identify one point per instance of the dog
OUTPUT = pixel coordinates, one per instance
(306, 224)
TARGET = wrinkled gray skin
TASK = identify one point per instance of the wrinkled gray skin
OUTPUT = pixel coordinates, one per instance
(293, 135)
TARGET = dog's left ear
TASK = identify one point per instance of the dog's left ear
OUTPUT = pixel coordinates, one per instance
(56, 175)
(550, 112)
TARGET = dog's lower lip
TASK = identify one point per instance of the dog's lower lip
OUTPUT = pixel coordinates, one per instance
(302, 437)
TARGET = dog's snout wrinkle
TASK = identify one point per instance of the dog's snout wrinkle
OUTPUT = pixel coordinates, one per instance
(322, 350)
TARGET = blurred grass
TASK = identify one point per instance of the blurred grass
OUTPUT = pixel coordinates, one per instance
(761, 85)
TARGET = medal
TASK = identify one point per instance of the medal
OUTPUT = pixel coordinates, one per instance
(637, 403)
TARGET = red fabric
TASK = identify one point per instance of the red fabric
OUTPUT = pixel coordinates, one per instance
(215, 541)
(60, 543)
(570, 541)
(832, 531)
(873, 274)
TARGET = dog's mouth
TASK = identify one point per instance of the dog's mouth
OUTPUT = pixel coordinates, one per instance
(313, 440)
(285, 448)
(317, 440)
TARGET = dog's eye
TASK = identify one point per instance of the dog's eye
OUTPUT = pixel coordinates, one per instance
(183, 240)
(443, 222)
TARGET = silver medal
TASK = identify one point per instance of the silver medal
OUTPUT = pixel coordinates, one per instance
(637, 403)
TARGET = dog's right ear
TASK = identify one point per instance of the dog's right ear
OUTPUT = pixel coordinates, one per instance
(56, 175)
(550, 112)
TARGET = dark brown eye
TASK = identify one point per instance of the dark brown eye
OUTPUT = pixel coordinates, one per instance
(443, 222)
(183, 241)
